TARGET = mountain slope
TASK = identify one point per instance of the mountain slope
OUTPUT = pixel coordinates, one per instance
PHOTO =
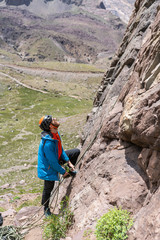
(121, 8)
(76, 36)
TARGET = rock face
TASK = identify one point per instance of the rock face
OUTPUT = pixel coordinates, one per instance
(121, 140)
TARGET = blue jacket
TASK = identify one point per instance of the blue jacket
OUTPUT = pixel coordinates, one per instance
(48, 164)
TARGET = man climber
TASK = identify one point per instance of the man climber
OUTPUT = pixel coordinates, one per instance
(50, 156)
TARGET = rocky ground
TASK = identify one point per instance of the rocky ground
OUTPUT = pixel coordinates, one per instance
(29, 219)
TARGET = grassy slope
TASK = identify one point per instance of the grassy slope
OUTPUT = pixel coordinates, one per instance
(19, 131)
(62, 66)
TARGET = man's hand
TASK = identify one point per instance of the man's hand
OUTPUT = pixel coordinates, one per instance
(71, 166)
(66, 175)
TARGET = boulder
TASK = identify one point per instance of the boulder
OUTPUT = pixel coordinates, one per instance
(27, 215)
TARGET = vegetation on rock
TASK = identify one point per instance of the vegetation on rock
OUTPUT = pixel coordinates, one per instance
(114, 225)
(56, 226)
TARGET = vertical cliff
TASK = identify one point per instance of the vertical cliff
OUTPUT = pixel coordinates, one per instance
(121, 142)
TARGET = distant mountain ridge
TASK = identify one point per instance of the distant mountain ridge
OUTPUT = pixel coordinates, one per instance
(27, 2)
(120, 8)
(38, 30)
(17, 2)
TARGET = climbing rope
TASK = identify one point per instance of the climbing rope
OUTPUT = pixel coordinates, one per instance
(10, 233)
(55, 194)
(90, 145)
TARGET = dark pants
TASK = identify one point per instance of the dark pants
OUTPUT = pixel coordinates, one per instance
(49, 185)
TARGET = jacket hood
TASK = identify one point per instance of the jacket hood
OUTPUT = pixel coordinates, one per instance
(44, 134)
(47, 136)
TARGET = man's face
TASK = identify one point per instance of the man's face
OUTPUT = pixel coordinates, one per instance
(55, 122)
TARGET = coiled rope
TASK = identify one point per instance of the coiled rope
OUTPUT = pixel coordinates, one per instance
(10, 233)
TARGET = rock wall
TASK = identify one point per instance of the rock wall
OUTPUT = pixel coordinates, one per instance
(121, 140)
(133, 82)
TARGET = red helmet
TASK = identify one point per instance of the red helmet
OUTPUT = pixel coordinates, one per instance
(45, 122)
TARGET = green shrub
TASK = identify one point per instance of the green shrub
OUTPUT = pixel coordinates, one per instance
(114, 225)
(56, 226)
